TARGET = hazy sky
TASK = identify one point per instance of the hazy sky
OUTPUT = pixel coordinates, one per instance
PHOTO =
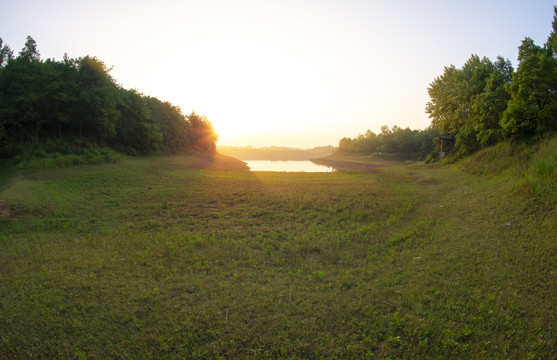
(294, 73)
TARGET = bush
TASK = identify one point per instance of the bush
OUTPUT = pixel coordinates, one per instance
(61, 153)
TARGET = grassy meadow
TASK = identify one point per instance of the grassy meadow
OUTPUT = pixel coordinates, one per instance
(150, 258)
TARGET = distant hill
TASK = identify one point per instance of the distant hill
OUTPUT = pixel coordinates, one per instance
(275, 152)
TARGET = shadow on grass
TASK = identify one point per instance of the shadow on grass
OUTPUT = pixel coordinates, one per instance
(7, 172)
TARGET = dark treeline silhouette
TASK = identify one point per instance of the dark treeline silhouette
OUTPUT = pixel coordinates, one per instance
(481, 104)
(399, 142)
(78, 98)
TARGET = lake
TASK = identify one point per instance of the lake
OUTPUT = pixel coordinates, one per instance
(290, 166)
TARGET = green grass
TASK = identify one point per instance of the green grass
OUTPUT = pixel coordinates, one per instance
(56, 153)
(147, 258)
(535, 165)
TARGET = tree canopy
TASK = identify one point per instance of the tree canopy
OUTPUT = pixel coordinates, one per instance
(485, 102)
(468, 103)
(41, 99)
(404, 143)
(480, 104)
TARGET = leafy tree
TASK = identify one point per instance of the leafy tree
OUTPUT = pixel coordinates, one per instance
(30, 51)
(172, 124)
(446, 106)
(65, 103)
(488, 107)
(415, 144)
(452, 93)
(5, 54)
(98, 99)
(44, 99)
(552, 40)
(201, 133)
(136, 127)
(468, 103)
(532, 109)
(22, 97)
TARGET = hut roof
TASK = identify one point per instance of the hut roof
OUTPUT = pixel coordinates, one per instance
(446, 137)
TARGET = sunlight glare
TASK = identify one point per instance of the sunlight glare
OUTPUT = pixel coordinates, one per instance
(244, 87)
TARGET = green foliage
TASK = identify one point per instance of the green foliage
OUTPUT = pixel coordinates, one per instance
(403, 143)
(488, 106)
(552, 40)
(468, 102)
(30, 52)
(79, 98)
(137, 128)
(61, 153)
(98, 98)
(172, 124)
(5, 53)
(201, 134)
(532, 109)
(484, 103)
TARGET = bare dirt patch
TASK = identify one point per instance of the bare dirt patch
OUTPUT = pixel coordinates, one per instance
(4, 210)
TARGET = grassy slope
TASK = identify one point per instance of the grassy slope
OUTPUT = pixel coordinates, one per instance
(151, 259)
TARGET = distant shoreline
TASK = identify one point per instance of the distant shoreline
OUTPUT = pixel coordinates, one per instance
(351, 163)
(275, 153)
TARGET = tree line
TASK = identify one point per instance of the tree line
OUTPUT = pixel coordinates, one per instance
(410, 144)
(78, 98)
(480, 104)
(485, 102)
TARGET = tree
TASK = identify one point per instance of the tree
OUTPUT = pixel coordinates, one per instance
(489, 106)
(173, 126)
(445, 105)
(30, 51)
(532, 108)
(201, 133)
(43, 99)
(552, 40)
(468, 103)
(136, 127)
(98, 98)
(406, 143)
(22, 96)
(5, 54)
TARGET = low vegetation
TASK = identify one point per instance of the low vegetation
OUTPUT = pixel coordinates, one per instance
(151, 258)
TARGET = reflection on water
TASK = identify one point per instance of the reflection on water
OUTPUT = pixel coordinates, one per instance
(291, 166)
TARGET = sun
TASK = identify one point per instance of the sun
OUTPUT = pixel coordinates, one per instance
(256, 90)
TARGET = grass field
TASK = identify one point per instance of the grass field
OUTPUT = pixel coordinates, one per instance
(148, 258)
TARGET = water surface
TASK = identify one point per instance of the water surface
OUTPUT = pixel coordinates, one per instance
(290, 166)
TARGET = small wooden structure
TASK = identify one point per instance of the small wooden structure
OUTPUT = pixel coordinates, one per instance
(447, 143)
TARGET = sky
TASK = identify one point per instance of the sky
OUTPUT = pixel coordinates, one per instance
(299, 73)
